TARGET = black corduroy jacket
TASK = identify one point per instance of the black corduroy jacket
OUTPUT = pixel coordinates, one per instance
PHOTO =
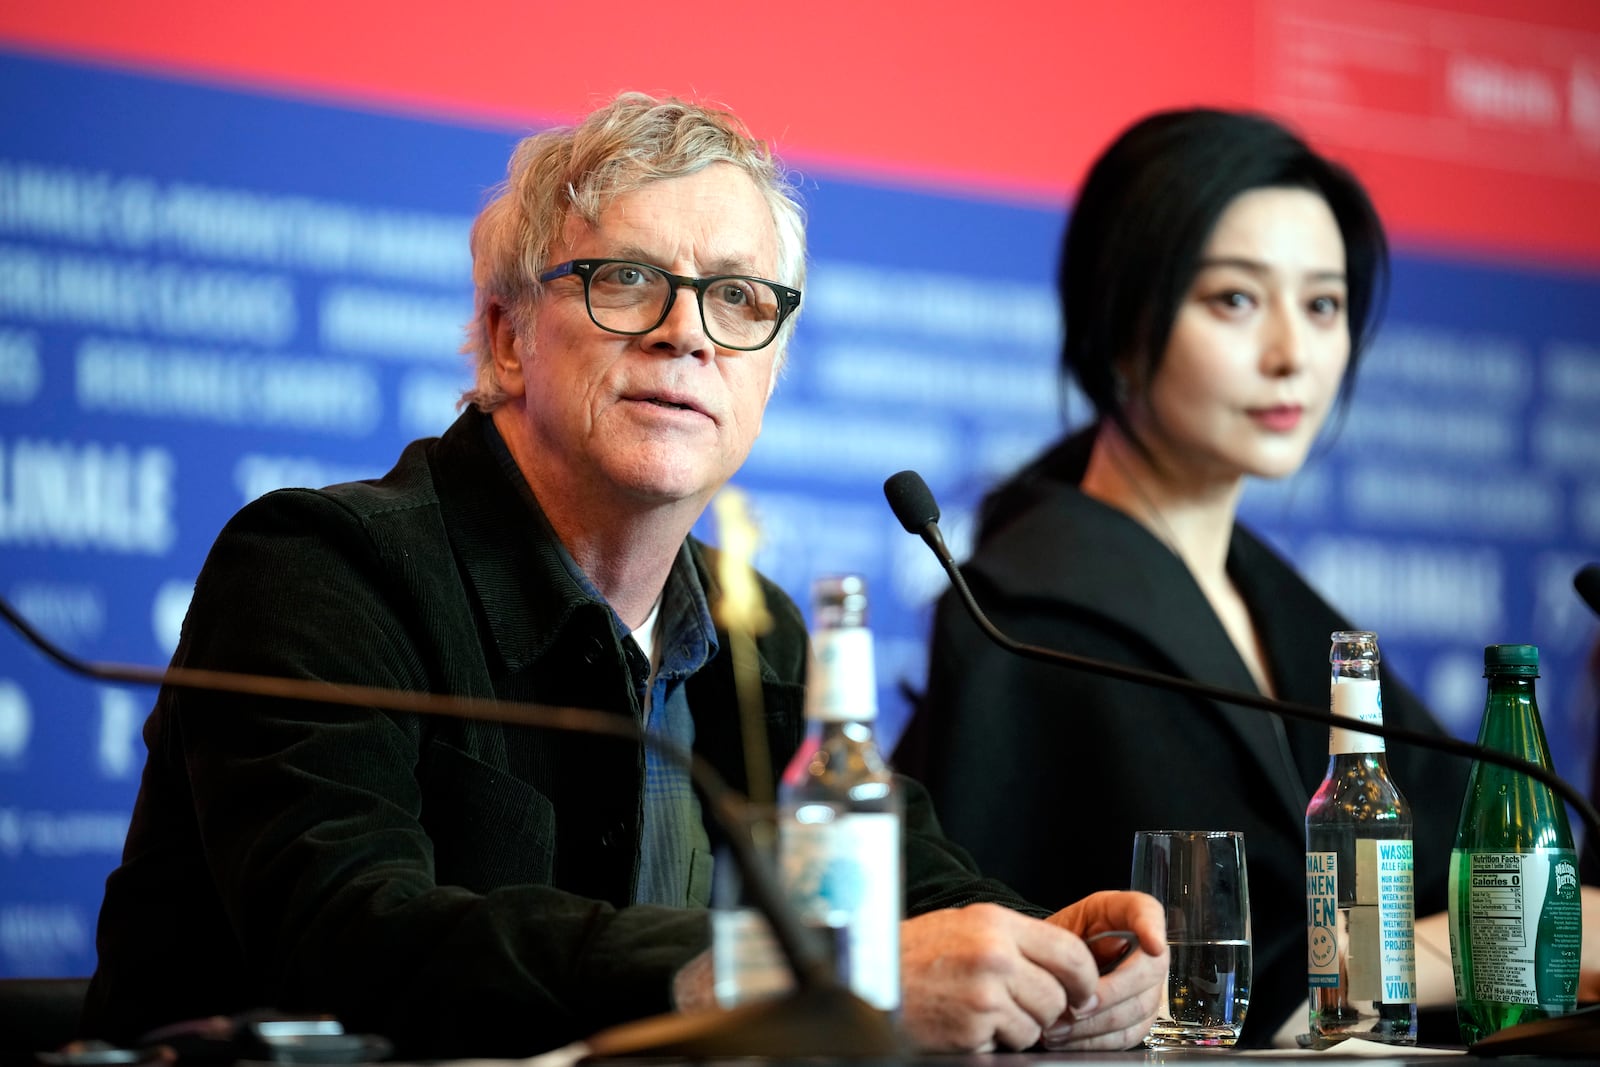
(460, 886)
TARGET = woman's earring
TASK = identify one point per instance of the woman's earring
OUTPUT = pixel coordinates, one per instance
(1119, 387)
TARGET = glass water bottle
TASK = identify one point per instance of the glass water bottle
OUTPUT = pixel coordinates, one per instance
(1360, 895)
(1516, 920)
(839, 818)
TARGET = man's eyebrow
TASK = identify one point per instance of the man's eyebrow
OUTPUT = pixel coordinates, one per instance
(721, 265)
(632, 252)
(1256, 266)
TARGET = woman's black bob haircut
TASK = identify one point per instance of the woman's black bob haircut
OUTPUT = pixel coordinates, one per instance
(1143, 217)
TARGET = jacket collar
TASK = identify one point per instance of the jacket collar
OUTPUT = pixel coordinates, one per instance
(1138, 587)
(512, 559)
(523, 579)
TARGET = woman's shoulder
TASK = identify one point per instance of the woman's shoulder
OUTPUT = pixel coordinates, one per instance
(1060, 466)
(1069, 547)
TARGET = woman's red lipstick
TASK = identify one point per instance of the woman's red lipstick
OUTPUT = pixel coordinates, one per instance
(1280, 419)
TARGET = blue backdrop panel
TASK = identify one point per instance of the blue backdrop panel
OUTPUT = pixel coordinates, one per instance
(205, 295)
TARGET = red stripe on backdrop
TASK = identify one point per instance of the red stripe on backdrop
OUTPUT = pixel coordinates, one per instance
(1475, 122)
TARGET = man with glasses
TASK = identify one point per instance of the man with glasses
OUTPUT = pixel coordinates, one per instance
(472, 887)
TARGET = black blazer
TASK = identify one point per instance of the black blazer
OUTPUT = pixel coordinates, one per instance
(1045, 773)
(462, 887)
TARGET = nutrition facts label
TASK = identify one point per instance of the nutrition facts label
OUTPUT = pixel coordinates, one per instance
(1506, 896)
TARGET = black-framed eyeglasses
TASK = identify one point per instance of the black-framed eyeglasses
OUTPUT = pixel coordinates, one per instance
(739, 312)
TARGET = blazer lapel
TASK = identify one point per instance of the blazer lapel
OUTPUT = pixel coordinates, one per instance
(1142, 588)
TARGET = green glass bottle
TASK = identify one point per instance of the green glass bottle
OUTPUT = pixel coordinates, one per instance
(1516, 922)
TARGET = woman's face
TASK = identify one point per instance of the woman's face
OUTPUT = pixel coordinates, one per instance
(1258, 347)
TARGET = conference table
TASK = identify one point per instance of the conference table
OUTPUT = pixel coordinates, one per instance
(573, 1056)
(1419, 1057)
(1572, 1039)
(1432, 1057)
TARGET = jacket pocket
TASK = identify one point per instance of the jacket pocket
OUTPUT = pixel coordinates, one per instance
(489, 829)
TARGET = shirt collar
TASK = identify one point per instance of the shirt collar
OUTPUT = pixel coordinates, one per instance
(685, 634)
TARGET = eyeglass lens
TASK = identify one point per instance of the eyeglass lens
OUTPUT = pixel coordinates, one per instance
(632, 298)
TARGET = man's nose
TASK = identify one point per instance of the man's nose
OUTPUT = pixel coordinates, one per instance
(683, 331)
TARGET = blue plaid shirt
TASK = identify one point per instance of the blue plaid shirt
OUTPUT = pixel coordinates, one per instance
(675, 860)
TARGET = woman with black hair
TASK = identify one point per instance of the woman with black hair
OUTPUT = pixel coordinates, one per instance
(1219, 281)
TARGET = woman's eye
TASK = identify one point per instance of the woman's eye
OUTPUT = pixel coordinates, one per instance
(1233, 300)
(1326, 307)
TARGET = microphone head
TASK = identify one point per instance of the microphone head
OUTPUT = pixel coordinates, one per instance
(1587, 583)
(911, 501)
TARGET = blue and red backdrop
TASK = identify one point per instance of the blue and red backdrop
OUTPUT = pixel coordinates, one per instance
(233, 257)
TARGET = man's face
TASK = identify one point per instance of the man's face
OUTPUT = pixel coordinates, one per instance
(666, 416)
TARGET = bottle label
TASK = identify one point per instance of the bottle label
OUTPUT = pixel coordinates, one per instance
(1365, 943)
(1322, 918)
(1524, 925)
(841, 684)
(845, 873)
(746, 962)
(1360, 699)
(1397, 916)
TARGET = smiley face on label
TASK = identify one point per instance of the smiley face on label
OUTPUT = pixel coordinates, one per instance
(1323, 947)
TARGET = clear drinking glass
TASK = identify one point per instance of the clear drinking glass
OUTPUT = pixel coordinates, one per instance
(1199, 877)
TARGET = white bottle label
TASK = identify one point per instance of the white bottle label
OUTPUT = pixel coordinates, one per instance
(841, 684)
(746, 962)
(1322, 918)
(1368, 944)
(1397, 918)
(844, 872)
(1360, 699)
(1505, 900)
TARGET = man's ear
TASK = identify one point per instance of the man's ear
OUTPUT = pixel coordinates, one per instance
(507, 356)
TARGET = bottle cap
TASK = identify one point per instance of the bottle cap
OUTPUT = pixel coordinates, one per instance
(1521, 660)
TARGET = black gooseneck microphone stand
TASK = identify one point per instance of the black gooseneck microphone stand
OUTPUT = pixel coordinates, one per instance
(820, 1018)
(1573, 1035)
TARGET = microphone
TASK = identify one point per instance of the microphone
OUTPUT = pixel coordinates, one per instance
(913, 504)
(1587, 583)
(820, 1018)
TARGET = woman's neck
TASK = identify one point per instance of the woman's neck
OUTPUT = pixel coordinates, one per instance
(1191, 515)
